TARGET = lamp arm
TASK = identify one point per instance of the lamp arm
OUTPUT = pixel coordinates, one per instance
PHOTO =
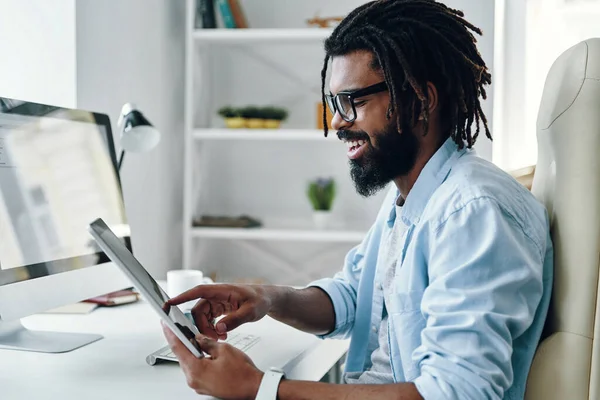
(121, 159)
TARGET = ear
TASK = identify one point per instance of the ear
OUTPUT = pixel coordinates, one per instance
(432, 96)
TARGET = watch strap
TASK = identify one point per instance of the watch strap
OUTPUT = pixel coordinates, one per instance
(269, 384)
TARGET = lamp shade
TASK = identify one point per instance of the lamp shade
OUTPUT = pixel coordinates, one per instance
(138, 135)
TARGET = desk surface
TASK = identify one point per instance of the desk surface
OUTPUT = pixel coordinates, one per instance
(115, 367)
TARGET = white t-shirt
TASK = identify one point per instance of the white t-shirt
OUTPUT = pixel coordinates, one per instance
(381, 370)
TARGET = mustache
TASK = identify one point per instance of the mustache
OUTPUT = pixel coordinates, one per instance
(352, 135)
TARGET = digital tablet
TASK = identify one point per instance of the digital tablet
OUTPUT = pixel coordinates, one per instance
(174, 318)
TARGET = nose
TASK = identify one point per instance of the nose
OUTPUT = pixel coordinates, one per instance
(338, 123)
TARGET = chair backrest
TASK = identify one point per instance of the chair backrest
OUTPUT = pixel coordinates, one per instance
(567, 181)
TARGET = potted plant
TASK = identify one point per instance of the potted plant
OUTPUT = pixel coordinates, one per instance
(252, 115)
(232, 117)
(321, 193)
(274, 116)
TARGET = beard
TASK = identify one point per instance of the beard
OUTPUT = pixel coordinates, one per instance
(395, 155)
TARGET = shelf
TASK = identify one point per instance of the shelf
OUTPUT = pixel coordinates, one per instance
(234, 36)
(300, 235)
(264, 134)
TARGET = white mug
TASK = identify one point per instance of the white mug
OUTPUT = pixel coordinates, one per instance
(181, 280)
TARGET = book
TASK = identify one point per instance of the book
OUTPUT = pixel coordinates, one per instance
(115, 298)
(238, 14)
(226, 14)
(205, 15)
(77, 308)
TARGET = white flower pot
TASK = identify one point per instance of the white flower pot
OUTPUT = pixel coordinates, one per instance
(321, 219)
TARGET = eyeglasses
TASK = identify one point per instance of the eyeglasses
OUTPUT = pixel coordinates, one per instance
(343, 102)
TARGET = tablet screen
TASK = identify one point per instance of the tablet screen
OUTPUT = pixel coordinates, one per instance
(154, 294)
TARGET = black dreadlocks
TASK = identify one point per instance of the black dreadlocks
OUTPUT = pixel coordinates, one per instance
(415, 42)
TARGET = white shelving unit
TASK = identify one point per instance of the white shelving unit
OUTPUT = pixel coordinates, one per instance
(263, 134)
(290, 234)
(242, 36)
(199, 134)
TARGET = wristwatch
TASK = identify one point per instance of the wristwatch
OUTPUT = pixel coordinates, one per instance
(269, 384)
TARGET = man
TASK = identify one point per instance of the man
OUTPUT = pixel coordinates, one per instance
(447, 295)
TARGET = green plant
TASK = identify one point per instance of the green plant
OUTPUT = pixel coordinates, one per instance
(276, 113)
(228, 112)
(321, 193)
(268, 112)
(250, 112)
(280, 114)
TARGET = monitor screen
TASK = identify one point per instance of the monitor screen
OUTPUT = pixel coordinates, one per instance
(57, 174)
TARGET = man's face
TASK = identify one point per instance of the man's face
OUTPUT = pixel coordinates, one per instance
(378, 152)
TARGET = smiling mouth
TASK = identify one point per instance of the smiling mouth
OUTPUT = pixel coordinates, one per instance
(356, 147)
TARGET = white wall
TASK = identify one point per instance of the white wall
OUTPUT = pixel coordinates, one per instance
(482, 13)
(37, 51)
(133, 51)
(267, 180)
(552, 27)
(101, 54)
(293, 14)
(534, 34)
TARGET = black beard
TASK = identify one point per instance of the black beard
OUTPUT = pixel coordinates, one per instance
(395, 155)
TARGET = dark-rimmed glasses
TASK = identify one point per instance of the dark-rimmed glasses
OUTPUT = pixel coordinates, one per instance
(343, 102)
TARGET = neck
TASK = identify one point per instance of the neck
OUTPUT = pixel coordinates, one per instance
(405, 183)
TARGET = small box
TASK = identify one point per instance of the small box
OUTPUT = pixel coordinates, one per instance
(320, 116)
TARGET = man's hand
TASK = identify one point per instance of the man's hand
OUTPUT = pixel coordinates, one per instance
(230, 374)
(238, 303)
(227, 374)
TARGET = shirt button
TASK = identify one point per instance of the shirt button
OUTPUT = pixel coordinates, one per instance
(380, 286)
(374, 328)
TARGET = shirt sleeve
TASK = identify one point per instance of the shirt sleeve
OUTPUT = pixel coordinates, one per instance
(486, 282)
(342, 289)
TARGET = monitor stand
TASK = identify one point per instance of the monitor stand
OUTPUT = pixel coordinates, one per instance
(14, 336)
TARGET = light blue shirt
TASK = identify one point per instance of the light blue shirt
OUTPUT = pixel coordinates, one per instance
(471, 286)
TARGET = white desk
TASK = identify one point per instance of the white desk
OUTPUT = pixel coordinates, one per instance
(115, 367)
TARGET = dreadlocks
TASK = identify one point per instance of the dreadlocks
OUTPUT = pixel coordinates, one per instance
(415, 42)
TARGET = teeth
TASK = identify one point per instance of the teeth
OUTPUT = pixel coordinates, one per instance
(354, 143)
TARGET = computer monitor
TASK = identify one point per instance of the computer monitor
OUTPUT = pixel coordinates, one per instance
(58, 173)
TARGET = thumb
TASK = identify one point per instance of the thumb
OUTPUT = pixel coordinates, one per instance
(231, 321)
(177, 346)
(207, 345)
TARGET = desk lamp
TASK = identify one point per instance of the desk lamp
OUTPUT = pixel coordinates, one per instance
(138, 135)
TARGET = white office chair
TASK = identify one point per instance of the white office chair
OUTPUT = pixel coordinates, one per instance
(567, 181)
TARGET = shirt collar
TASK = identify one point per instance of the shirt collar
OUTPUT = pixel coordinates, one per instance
(431, 177)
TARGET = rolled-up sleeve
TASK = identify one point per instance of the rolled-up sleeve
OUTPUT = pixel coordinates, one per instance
(343, 287)
(485, 285)
(342, 290)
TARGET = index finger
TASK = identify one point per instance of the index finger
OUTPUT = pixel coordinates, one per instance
(213, 292)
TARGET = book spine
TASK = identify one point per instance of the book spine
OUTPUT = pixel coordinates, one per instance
(205, 14)
(226, 14)
(238, 14)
